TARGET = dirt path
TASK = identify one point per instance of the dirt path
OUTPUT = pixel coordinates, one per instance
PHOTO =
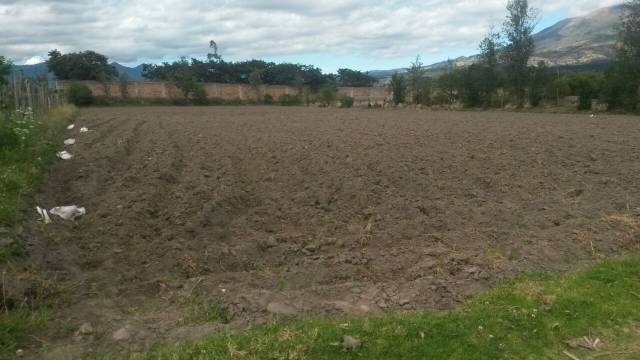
(203, 219)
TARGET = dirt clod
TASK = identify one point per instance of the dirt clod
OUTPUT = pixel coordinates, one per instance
(350, 342)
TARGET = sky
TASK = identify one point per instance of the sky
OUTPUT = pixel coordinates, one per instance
(330, 34)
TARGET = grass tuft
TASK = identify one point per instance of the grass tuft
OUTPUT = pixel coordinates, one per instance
(528, 318)
(28, 144)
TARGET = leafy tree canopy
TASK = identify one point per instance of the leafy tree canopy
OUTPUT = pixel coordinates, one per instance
(85, 65)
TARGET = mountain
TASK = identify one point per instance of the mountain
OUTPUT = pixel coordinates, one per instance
(134, 73)
(580, 44)
(581, 40)
(32, 71)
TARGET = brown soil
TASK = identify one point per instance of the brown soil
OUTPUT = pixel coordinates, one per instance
(270, 211)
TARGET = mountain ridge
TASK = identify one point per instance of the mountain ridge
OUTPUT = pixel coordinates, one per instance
(583, 43)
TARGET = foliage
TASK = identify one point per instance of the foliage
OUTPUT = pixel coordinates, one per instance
(471, 85)
(220, 71)
(327, 95)
(346, 101)
(490, 48)
(587, 86)
(622, 88)
(199, 94)
(348, 77)
(124, 85)
(255, 80)
(14, 326)
(528, 318)
(27, 144)
(450, 82)
(398, 86)
(518, 31)
(419, 84)
(79, 95)
(5, 69)
(539, 77)
(268, 99)
(86, 65)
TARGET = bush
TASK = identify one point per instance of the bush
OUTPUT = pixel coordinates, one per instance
(268, 99)
(80, 95)
(217, 101)
(199, 94)
(289, 100)
(346, 101)
(327, 95)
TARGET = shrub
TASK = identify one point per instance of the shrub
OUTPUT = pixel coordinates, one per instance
(199, 95)
(346, 101)
(236, 101)
(217, 101)
(289, 100)
(268, 99)
(80, 95)
(327, 95)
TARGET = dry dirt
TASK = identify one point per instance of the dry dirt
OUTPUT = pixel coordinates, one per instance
(205, 219)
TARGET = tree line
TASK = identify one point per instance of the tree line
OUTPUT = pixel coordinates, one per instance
(501, 74)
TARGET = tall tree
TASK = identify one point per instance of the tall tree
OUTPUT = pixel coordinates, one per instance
(490, 48)
(5, 69)
(623, 80)
(86, 65)
(450, 81)
(540, 77)
(518, 31)
(416, 76)
(398, 87)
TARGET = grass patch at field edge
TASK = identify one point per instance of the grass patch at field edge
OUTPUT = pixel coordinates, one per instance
(531, 317)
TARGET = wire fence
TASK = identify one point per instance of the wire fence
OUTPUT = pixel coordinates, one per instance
(22, 93)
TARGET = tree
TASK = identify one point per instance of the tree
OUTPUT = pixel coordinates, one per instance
(471, 85)
(5, 69)
(86, 65)
(418, 83)
(518, 31)
(348, 77)
(449, 82)
(398, 87)
(587, 86)
(540, 77)
(490, 48)
(255, 80)
(213, 56)
(622, 87)
(124, 85)
(327, 95)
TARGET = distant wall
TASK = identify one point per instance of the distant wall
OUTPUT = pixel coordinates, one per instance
(157, 89)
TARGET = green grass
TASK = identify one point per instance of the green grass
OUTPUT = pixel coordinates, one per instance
(24, 155)
(15, 324)
(23, 161)
(528, 318)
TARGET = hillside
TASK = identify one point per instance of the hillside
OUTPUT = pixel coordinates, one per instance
(580, 43)
(580, 40)
(134, 73)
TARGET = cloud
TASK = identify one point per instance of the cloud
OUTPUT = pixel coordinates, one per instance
(128, 31)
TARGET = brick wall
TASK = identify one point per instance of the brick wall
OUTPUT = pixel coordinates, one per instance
(155, 89)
